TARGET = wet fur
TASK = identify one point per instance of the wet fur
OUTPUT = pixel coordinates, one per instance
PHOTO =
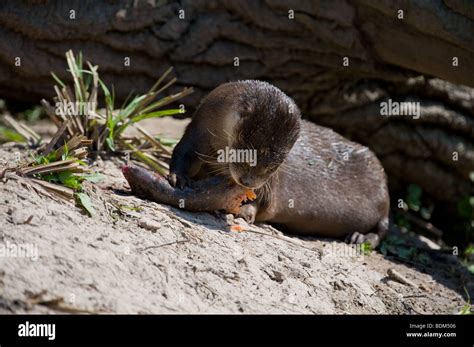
(333, 195)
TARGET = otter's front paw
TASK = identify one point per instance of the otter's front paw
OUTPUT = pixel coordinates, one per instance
(248, 212)
(178, 180)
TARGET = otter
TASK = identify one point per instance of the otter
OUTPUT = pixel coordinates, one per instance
(245, 115)
(308, 179)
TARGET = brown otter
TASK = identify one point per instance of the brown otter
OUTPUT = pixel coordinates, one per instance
(246, 115)
(308, 179)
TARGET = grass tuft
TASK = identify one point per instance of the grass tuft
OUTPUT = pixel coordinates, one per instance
(58, 168)
(106, 127)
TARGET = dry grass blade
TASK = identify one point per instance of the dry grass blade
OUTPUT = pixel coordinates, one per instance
(52, 167)
(60, 191)
(29, 134)
(81, 93)
(72, 144)
(150, 138)
(146, 159)
(50, 190)
(51, 113)
(79, 153)
(59, 133)
(168, 100)
(45, 171)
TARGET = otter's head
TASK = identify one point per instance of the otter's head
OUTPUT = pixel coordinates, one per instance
(267, 128)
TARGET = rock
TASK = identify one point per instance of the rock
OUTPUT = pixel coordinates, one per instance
(149, 224)
(19, 216)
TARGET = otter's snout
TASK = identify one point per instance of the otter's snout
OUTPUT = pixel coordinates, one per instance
(247, 181)
(250, 182)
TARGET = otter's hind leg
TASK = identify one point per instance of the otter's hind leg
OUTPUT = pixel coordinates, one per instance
(373, 237)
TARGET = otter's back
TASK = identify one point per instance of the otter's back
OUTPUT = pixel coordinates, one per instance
(334, 185)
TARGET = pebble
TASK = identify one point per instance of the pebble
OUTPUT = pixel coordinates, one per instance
(149, 224)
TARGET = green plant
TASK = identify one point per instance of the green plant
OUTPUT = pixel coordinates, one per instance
(414, 193)
(396, 246)
(468, 258)
(466, 309)
(17, 131)
(10, 135)
(61, 172)
(402, 221)
(106, 127)
(366, 248)
(465, 208)
(416, 212)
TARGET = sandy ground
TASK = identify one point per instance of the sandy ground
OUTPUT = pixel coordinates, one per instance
(136, 256)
